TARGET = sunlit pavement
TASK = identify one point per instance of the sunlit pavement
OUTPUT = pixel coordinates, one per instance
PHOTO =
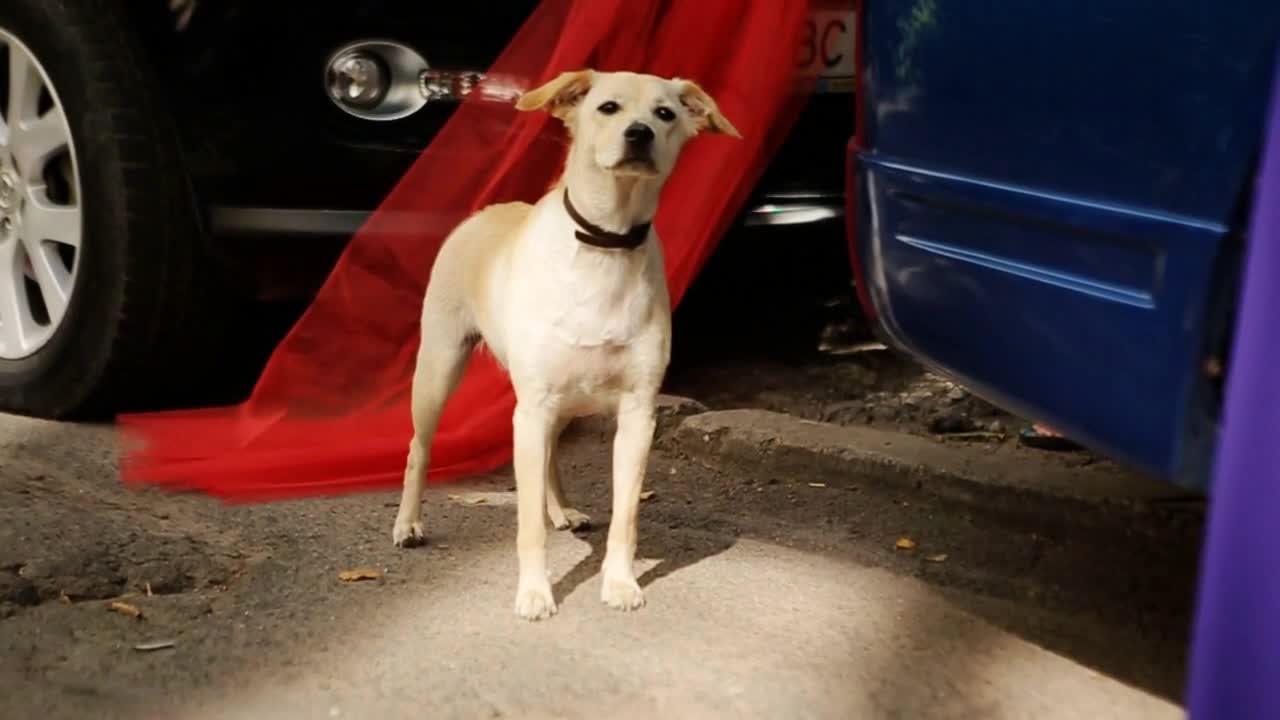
(755, 631)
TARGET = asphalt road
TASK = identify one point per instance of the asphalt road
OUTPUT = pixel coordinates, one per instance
(767, 597)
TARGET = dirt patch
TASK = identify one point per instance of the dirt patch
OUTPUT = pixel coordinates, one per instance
(877, 388)
(832, 370)
(66, 562)
(16, 590)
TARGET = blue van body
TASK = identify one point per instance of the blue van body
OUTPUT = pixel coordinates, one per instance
(1048, 201)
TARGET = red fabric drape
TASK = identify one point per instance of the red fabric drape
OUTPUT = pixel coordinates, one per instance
(330, 413)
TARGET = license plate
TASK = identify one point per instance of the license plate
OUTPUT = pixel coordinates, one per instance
(827, 50)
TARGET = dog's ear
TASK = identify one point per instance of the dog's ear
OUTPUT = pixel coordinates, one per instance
(559, 96)
(705, 111)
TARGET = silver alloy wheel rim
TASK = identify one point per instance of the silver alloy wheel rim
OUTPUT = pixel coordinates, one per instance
(41, 219)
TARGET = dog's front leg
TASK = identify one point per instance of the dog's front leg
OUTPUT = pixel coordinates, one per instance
(534, 433)
(631, 446)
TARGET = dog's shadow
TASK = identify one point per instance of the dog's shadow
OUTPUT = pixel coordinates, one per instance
(673, 547)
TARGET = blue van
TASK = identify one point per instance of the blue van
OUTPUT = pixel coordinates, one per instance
(1047, 201)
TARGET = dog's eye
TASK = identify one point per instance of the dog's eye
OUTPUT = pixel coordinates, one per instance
(665, 114)
(609, 108)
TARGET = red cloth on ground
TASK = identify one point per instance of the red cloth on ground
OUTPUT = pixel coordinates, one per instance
(330, 413)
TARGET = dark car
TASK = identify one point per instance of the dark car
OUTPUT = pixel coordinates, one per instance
(160, 160)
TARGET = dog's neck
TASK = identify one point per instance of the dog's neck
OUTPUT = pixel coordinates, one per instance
(614, 203)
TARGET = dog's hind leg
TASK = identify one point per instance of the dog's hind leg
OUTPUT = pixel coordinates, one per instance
(563, 516)
(446, 344)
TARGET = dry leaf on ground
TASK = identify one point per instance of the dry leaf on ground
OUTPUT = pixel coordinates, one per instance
(125, 608)
(905, 544)
(940, 557)
(357, 574)
(647, 494)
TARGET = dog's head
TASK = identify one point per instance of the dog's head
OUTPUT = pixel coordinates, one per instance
(628, 123)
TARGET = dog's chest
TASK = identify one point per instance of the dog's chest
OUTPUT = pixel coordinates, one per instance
(583, 297)
(590, 335)
(585, 325)
(589, 380)
(607, 305)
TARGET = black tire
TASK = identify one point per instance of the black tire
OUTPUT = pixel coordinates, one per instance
(134, 291)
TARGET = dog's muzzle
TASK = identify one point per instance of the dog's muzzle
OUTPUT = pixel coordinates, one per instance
(638, 136)
(638, 151)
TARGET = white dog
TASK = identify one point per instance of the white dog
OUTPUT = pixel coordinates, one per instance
(570, 295)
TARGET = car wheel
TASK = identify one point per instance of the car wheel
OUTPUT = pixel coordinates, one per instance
(97, 227)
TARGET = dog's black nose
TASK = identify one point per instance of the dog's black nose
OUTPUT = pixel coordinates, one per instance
(638, 133)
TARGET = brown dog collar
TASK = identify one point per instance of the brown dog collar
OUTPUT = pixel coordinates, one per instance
(597, 236)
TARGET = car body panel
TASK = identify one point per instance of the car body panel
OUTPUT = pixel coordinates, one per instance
(1044, 193)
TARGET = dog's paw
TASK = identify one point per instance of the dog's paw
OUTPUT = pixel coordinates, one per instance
(622, 594)
(535, 603)
(572, 520)
(408, 533)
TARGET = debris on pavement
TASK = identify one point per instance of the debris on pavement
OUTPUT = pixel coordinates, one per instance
(817, 485)
(880, 390)
(854, 349)
(358, 574)
(125, 608)
(973, 435)
(154, 645)
(647, 494)
(936, 558)
(470, 499)
(905, 543)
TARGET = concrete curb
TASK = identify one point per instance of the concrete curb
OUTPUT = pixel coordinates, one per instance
(751, 442)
